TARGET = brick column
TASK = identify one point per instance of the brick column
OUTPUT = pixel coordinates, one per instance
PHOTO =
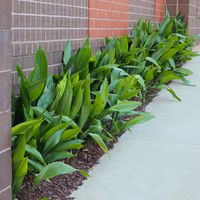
(5, 102)
(173, 6)
(194, 17)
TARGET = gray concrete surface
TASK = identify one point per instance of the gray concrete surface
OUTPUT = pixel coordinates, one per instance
(158, 160)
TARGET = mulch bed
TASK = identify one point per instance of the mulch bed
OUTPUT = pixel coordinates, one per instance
(61, 187)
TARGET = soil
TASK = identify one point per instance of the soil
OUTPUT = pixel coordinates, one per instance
(61, 187)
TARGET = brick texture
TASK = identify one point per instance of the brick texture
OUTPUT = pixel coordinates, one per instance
(159, 10)
(190, 9)
(173, 7)
(194, 17)
(5, 170)
(5, 95)
(108, 18)
(176, 6)
(6, 194)
(49, 24)
(140, 9)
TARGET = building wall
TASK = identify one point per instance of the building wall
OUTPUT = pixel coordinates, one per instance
(191, 10)
(140, 9)
(159, 10)
(46, 23)
(50, 23)
(108, 18)
(173, 6)
(5, 94)
(194, 17)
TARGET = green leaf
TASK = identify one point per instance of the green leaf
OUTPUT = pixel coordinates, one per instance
(124, 44)
(76, 106)
(134, 43)
(19, 152)
(70, 134)
(183, 71)
(152, 60)
(22, 127)
(82, 59)
(34, 153)
(19, 175)
(149, 75)
(167, 76)
(58, 155)
(104, 68)
(25, 96)
(67, 53)
(48, 95)
(69, 121)
(35, 90)
(86, 106)
(40, 71)
(141, 81)
(171, 91)
(66, 100)
(98, 106)
(87, 43)
(52, 170)
(37, 166)
(75, 79)
(40, 112)
(104, 90)
(137, 120)
(60, 89)
(99, 141)
(57, 129)
(111, 56)
(168, 29)
(72, 144)
(125, 106)
(172, 63)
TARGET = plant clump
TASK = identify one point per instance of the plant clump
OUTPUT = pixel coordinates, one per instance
(92, 98)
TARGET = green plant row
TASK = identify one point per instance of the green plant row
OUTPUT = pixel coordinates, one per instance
(92, 98)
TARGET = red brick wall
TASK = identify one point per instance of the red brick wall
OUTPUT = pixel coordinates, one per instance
(159, 10)
(108, 18)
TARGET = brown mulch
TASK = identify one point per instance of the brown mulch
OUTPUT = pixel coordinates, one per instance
(61, 187)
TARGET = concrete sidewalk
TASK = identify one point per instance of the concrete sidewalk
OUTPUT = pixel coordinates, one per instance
(158, 160)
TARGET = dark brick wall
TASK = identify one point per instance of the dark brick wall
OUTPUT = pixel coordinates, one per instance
(5, 94)
(191, 10)
(176, 6)
(173, 7)
(194, 17)
(49, 24)
(140, 9)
